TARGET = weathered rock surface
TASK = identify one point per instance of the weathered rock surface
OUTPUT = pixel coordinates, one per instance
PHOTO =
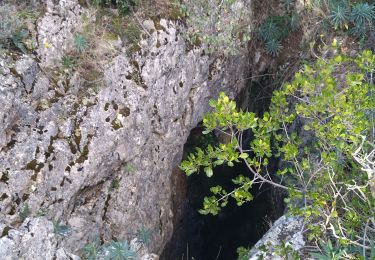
(99, 160)
(34, 239)
(285, 232)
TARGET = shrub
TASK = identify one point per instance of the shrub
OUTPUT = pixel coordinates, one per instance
(243, 253)
(358, 18)
(323, 171)
(222, 25)
(363, 19)
(124, 6)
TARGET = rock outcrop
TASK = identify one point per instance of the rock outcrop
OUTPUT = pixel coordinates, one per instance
(98, 160)
(285, 235)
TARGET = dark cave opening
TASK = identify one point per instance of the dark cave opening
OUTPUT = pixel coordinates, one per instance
(207, 237)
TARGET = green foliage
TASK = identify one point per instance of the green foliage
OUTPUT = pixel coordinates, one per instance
(355, 17)
(119, 251)
(363, 18)
(329, 252)
(273, 47)
(18, 37)
(115, 184)
(128, 167)
(286, 251)
(363, 13)
(91, 251)
(144, 236)
(67, 62)
(274, 30)
(222, 26)
(80, 43)
(243, 253)
(124, 6)
(324, 172)
(340, 17)
(269, 31)
(113, 250)
(133, 36)
(60, 229)
(25, 212)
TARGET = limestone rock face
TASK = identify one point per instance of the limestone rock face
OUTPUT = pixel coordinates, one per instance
(56, 30)
(99, 160)
(286, 231)
(34, 240)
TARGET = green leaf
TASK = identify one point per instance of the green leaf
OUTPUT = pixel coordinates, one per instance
(208, 171)
(244, 155)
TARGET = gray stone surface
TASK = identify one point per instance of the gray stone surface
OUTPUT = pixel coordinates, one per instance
(56, 30)
(63, 147)
(33, 240)
(286, 231)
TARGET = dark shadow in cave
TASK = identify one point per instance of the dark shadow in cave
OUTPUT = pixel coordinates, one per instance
(209, 237)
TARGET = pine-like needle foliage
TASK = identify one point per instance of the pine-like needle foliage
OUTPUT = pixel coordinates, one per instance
(273, 47)
(363, 19)
(339, 17)
(144, 235)
(91, 251)
(273, 31)
(120, 251)
(80, 43)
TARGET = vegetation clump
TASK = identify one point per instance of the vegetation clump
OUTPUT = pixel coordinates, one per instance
(61, 229)
(222, 25)
(327, 162)
(355, 19)
(12, 28)
(124, 6)
(116, 250)
(273, 31)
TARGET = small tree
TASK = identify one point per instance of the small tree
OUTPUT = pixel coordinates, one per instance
(324, 180)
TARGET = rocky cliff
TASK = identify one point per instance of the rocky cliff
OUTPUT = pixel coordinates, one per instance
(98, 160)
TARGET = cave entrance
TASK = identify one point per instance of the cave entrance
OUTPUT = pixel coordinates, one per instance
(207, 237)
